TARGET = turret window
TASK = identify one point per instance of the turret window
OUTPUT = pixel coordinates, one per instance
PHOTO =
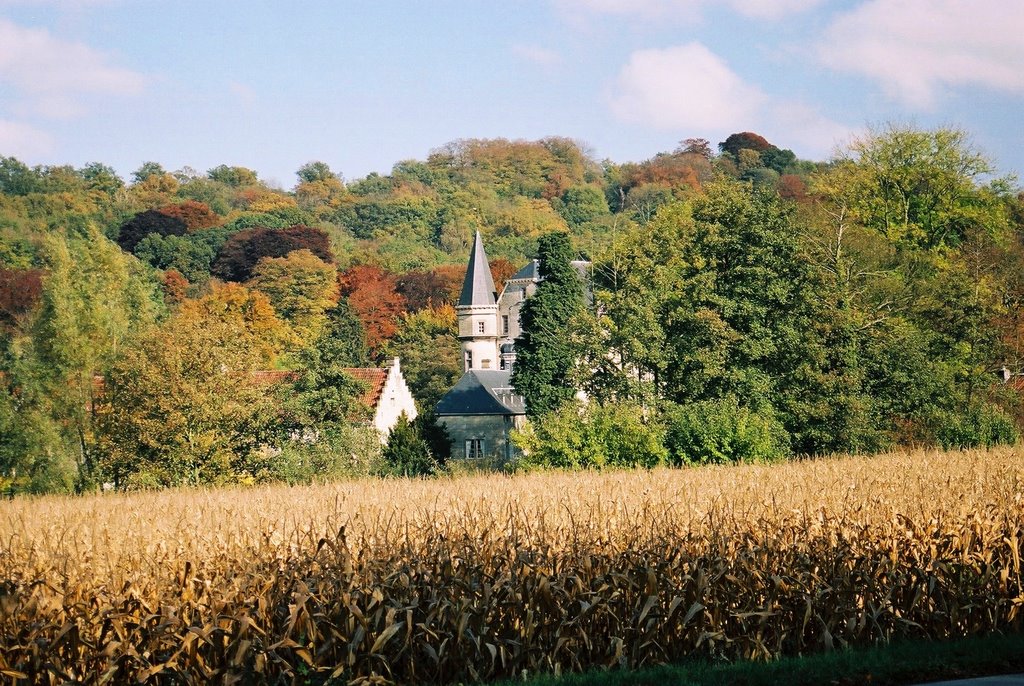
(480, 327)
(504, 325)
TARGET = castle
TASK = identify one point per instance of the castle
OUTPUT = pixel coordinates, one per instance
(483, 407)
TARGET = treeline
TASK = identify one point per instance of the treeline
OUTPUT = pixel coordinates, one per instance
(849, 305)
(882, 309)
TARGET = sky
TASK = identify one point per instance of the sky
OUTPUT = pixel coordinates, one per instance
(361, 85)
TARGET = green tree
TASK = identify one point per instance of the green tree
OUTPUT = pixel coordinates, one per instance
(595, 435)
(236, 177)
(428, 344)
(343, 339)
(546, 354)
(919, 188)
(301, 287)
(184, 407)
(722, 431)
(311, 172)
(407, 453)
(95, 300)
(147, 170)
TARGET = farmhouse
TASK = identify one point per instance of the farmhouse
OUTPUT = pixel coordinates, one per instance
(386, 394)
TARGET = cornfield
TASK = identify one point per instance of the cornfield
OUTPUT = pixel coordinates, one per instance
(490, 576)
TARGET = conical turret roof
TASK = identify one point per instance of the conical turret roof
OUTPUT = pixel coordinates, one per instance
(478, 288)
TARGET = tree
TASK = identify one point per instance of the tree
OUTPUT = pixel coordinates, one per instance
(175, 287)
(246, 310)
(406, 452)
(301, 287)
(243, 250)
(95, 301)
(16, 178)
(919, 188)
(102, 178)
(721, 431)
(373, 295)
(343, 339)
(545, 352)
(596, 435)
(581, 204)
(427, 341)
(20, 292)
(186, 254)
(147, 170)
(236, 177)
(777, 159)
(146, 223)
(743, 141)
(312, 172)
(184, 407)
(695, 146)
(196, 215)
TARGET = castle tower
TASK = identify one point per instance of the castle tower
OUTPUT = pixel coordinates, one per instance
(478, 313)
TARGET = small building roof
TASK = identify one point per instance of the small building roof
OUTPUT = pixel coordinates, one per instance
(482, 392)
(531, 272)
(478, 288)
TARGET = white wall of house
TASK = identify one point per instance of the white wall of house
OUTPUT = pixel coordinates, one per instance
(395, 398)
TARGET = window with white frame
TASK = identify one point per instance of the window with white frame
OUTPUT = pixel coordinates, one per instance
(474, 447)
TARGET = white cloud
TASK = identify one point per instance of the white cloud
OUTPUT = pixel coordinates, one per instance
(802, 127)
(690, 91)
(687, 10)
(536, 54)
(683, 88)
(23, 140)
(772, 9)
(917, 49)
(52, 74)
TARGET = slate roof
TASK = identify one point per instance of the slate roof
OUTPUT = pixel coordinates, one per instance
(482, 391)
(478, 288)
(531, 271)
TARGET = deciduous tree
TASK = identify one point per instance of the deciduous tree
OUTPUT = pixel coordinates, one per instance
(301, 287)
(243, 250)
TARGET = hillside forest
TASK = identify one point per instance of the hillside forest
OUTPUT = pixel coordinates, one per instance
(748, 305)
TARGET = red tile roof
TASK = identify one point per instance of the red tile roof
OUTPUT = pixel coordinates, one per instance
(374, 379)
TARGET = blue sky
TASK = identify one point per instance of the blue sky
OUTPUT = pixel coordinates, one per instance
(361, 85)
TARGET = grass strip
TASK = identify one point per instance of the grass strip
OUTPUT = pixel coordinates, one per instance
(895, 664)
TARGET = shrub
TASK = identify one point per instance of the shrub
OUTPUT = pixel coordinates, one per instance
(983, 425)
(612, 434)
(721, 431)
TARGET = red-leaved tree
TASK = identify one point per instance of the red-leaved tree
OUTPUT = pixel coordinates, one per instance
(373, 295)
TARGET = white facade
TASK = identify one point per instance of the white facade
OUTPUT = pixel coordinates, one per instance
(395, 398)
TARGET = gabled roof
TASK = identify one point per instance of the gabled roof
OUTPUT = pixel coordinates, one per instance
(482, 392)
(478, 288)
(374, 379)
